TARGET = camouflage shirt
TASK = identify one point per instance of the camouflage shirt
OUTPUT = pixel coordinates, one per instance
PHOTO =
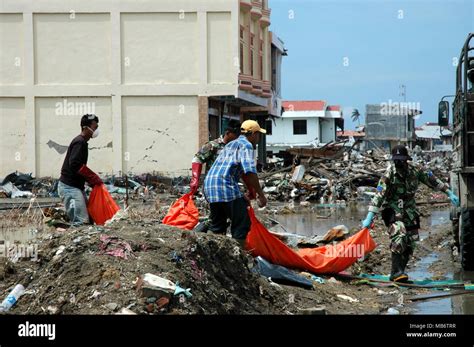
(398, 191)
(209, 152)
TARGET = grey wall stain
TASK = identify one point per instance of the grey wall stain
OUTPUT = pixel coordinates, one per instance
(59, 148)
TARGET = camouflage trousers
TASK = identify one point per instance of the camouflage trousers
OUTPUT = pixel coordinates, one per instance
(401, 240)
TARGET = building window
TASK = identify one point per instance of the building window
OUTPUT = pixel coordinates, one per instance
(268, 127)
(299, 127)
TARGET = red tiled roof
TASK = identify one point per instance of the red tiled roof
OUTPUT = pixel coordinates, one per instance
(304, 105)
(334, 108)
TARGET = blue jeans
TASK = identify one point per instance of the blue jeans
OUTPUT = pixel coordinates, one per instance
(75, 202)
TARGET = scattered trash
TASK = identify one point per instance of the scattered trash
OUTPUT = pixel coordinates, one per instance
(347, 298)
(280, 274)
(152, 285)
(313, 278)
(162, 302)
(52, 309)
(298, 174)
(175, 257)
(12, 298)
(126, 311)
(59, 252)
(393, 311)
(95, 294)
(112, 306)
(115, 247)
(180, 290)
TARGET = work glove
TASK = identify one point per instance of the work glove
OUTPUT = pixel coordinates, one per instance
(453, 197)
(367, 222)
(91, 177)
(196, 173)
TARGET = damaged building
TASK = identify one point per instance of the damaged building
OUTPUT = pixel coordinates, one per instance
(161, 75)
(304, 124)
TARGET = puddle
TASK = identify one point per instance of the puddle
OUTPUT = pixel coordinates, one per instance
(311, 224)
(421, 272)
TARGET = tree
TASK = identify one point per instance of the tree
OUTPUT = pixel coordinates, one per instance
(356, 116)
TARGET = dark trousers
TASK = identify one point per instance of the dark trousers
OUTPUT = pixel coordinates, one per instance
(236, 211)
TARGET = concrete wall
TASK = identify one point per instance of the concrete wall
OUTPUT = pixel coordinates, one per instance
(140, 64)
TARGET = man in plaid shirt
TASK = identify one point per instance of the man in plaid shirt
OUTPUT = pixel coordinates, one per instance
(221, 186)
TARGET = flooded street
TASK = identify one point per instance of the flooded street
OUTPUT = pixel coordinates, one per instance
(311, 224)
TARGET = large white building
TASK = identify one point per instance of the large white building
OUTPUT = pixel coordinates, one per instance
(304, 124)
(162, 75)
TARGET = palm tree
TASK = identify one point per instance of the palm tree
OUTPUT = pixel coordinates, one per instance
(356, 116)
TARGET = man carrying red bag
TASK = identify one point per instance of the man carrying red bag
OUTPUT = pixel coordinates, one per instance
(74, 172)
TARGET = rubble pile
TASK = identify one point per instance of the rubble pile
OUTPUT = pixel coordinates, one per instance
(328, 180)
(337, 180)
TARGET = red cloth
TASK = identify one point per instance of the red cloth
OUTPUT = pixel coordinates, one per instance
(321, 260)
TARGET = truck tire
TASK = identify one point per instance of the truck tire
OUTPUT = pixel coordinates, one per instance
(466, 232)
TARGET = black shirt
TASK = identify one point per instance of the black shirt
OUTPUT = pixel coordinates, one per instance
(76, 156)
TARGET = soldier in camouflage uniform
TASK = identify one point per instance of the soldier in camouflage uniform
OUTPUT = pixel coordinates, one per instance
(396, 194)
(208, 154)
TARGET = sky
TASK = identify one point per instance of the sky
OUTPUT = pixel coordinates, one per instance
(357, 52)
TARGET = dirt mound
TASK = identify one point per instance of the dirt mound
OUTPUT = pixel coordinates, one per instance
(74, 276)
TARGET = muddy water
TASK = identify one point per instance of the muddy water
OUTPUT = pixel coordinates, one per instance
(421, 271)
(320, 220)
(311, 224)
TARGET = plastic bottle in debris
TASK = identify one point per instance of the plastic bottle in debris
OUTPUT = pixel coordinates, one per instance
(12, 298)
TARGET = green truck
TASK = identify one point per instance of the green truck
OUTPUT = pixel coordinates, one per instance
(462, 175)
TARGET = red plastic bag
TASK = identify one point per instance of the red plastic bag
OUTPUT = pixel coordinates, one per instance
(321, 260)
(183, 213)
(101, 205)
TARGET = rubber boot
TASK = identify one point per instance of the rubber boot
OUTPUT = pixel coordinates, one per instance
(398, 270)
(405, 258)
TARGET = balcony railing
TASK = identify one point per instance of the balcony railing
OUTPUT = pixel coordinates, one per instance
(257, 87)
(245, 82)
(266, 89)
